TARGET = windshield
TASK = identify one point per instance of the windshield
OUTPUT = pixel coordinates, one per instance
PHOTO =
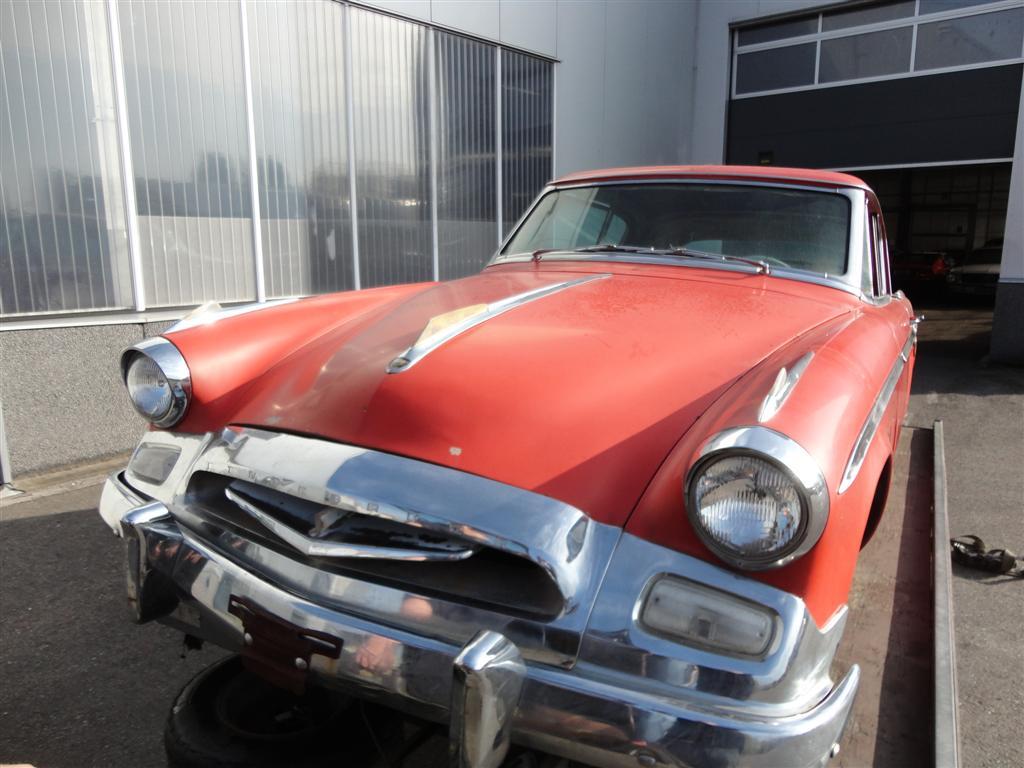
(783, 227)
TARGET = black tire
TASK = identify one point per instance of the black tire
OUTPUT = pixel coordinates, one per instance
(230, 718)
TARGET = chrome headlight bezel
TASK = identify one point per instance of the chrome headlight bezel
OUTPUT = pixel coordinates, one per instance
(172, 366)
(790, 458)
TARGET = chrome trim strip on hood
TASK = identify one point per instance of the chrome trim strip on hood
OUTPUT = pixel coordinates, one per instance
(424, 347)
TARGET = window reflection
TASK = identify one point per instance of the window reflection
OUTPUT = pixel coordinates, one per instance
(63, 236)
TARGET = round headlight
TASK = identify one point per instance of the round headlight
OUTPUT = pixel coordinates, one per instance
(148, 388)
(757, 499)
(158, 382)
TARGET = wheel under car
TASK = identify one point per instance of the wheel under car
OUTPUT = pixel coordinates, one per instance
(227, 716)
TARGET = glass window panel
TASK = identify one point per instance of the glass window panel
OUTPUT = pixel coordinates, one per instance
(970, 39)
(775, 68)
(391, 97)
(779, 30)
(467, 227)
(186, 114)
(298, 71)
(526, 131)
(937, 6)
(63, 241)
(873, 14)
(868, 55)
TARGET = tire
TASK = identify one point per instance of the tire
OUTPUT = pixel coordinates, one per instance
(230, 718)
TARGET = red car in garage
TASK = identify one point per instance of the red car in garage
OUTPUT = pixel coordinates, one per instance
(603, 499)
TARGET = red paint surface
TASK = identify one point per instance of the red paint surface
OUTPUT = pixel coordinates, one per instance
(760, 173)
(599, 395)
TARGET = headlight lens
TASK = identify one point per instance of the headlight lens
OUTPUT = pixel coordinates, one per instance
(148, 388)
(747, 508)
(158, 381)
(756, 498)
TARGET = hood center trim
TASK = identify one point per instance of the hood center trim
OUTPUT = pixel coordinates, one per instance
(430, 342)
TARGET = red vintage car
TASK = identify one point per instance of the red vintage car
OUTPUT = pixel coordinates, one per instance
(603, 500)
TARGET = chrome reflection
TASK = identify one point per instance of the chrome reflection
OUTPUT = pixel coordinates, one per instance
(874, 418)
(628, 701)
(470, 317)
(785, 383)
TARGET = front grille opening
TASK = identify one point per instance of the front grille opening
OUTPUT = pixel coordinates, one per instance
(489, 578)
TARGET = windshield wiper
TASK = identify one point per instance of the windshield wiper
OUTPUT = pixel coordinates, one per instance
(610, 248)
(762, 266)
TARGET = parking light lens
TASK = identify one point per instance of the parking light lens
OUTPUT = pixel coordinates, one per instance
(708, 618)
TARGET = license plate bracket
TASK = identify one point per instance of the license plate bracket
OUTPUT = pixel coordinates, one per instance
(278, 650)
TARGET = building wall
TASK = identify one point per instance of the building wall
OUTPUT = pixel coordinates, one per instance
(712, 52)
(623, 94)
(1008, 321)
(624, 89)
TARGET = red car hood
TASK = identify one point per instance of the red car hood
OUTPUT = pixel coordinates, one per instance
(578, 395)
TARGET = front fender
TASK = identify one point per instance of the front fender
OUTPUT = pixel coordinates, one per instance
(852, 355)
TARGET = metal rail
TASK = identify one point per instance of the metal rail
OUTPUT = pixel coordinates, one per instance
(946, 733)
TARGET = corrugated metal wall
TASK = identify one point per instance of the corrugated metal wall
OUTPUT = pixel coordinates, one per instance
(299, 106)
(184, 84)
(187, 100)
(527, 122)
(63, 244)
(466, 161)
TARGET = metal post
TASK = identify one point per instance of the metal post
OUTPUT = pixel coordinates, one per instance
(433, 123)
(947, 739)
(254, 181)
(6, 475)
(127, 169)
(350, 129)
(498, 149)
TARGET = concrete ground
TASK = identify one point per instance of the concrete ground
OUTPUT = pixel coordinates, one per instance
(81, 686)
(982, 409)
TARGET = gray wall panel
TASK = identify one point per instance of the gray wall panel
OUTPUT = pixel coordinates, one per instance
(957, 116)
(299, 100)
(63, 239)
(390, 90)
(62, 395)
(466, 185)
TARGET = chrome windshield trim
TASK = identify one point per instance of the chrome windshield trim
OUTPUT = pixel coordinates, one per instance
(874, 418)
(848, 281)
(172, 364)
(783, 451)
(421, 349)
(785, 383)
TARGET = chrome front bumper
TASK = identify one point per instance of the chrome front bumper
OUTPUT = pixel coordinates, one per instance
(618, 702)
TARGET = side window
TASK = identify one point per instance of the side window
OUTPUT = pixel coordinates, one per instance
(867, 280)
(878, 246)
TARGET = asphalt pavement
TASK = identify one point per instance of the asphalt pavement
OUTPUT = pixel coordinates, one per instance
(81, 686)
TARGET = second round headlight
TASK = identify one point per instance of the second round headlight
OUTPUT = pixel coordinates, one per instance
(748, 510)
(158, 381)
(148, 388)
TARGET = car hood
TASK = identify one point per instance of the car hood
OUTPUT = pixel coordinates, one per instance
(578, 395)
